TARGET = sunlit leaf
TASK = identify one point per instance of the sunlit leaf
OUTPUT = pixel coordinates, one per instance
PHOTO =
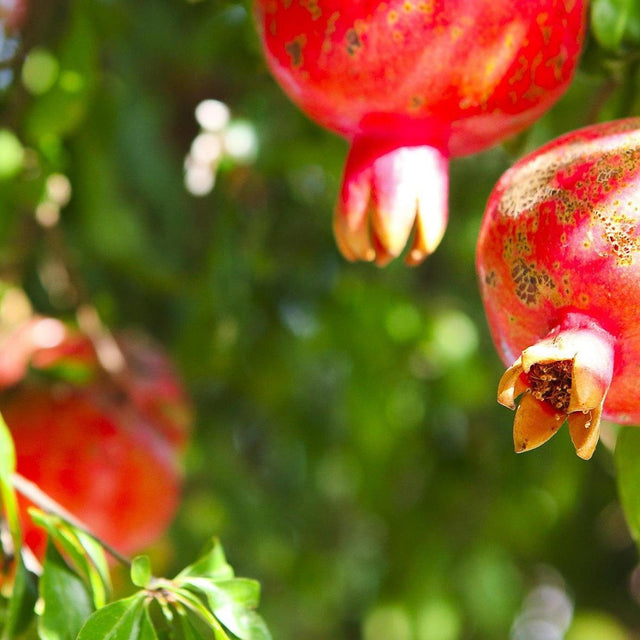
(232, 604)
(85, 554)
(121, 620)
(7, 492)
(141, 571)
(212, 563)
(7, 451)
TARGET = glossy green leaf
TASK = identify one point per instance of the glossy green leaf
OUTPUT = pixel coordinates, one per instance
(229, 606)
(7, 451)
(627, 458)
(188, 625)
(20, 610)
(609, 20)
(125, 619)
(193, 604)
(141, 571)
(85, 554)
(212, 563)
(66, 599)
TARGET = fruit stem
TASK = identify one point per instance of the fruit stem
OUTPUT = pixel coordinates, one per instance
(564, 376)
(39, 498)
(390, 189)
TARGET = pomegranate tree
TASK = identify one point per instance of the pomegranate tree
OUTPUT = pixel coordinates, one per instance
(105, 445)
(411, 84)
(559, 267)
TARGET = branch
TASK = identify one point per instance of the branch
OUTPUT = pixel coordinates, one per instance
(33, 493)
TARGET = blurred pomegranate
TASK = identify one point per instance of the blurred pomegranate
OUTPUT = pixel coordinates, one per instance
(105, 445)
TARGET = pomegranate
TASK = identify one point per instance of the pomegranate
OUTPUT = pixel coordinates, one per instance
(104, 445)
(411, 84)
(559, 267)
(97, 457)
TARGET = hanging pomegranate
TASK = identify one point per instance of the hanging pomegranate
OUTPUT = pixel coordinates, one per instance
(107, 445)
(559, 267)
(411, 84)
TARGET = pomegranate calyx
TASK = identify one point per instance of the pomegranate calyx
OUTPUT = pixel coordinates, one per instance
(564, 376)
(388, 193)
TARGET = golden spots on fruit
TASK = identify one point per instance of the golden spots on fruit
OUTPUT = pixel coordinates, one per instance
(426, 7)
(556, 265)
(392, 17)
(294, 49)
(531, 283)
(327, 44)
(522, 243)
(408, 6)
(312, 7)
(563, 238)
(621, 235)
(397, 36)
(583, 300)
(542, 19)
(354, 44)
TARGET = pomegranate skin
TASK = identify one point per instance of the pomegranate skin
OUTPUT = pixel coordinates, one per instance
(455, 74)
(559, 246)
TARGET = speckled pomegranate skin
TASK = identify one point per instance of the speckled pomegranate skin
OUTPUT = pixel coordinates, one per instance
(561, 236)
(455, 74)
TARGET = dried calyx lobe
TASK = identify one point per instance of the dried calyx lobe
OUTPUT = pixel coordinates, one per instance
(565, 220)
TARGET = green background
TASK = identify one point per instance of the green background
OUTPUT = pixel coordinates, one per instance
(347, 448)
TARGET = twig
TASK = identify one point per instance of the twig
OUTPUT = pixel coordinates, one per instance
(32, 492)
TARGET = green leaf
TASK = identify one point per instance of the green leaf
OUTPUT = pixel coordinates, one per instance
(85, 554)
(7, 451)
(185, 598)
(125, 619)
(67, 599)
(191, 626)
(212, 563)
(141, 571)
(228, 605)
(23, 599)
(627, 459)
(7, 492)
(609, 21)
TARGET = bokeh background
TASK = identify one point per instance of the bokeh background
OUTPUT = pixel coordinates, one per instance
(348, 449)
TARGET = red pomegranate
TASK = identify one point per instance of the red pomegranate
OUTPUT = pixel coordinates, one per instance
(411, 84)
(105, 445)
(99, 458)
(559, 267)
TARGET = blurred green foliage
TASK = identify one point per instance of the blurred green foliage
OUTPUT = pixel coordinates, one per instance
(348, 449)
